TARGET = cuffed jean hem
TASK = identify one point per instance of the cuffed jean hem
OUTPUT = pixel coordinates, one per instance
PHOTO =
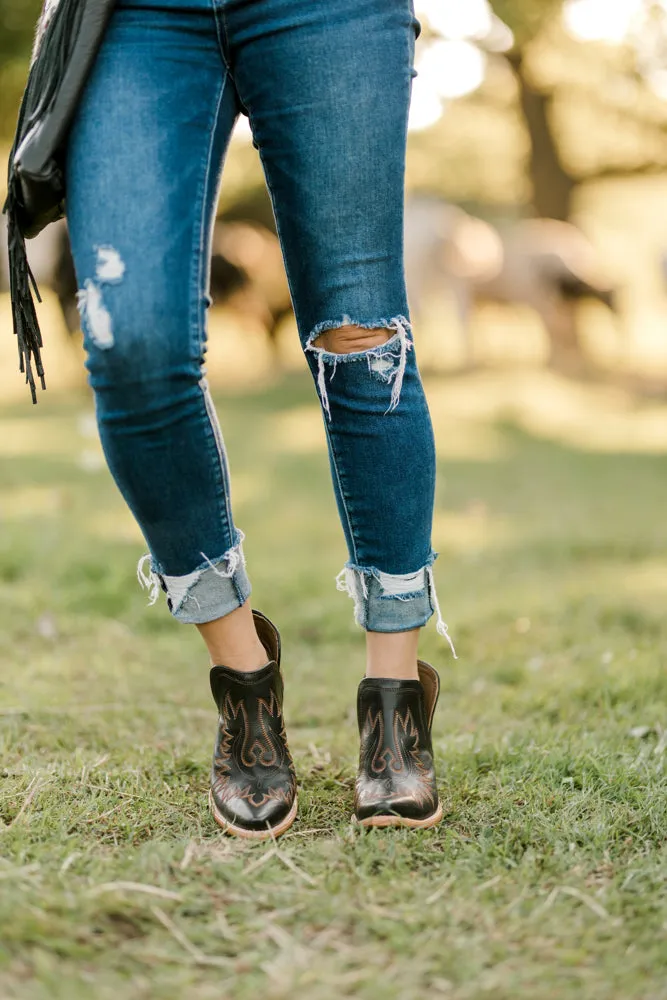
(213, 590)
(387, 602)
(211, 596)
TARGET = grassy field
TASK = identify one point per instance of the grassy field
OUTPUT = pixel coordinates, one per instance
(548, 876)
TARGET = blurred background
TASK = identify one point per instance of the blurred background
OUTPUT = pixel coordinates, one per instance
(536, 198)
(536, 255)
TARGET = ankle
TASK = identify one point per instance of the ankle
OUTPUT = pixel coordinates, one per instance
(392, 655)
(393, 671)
(243, 659)
(232, 641)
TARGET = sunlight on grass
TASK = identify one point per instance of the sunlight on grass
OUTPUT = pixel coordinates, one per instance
(300, 431)
(589, 417)
(31, 501)
(114, 525)
(36, 435)
(647, 580)
(550, 732)
(473, 530)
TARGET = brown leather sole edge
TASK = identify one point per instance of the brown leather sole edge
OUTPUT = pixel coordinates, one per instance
(238, 831)
(414, 824)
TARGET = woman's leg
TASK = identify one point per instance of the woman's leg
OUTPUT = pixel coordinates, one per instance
(144, 161)
(327, 88)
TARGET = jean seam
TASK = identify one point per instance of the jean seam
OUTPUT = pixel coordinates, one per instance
(198, 255)
(348, 518)
(218, 439)
(201, 262)
(276, 216)
(219, 17)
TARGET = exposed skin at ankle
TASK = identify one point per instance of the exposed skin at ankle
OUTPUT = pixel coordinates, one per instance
(232, 641)
(392, 654)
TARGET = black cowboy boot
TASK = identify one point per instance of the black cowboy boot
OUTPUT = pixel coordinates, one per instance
(253, 784)
(396, 780)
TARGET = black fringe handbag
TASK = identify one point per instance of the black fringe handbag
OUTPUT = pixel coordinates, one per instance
(69, 34)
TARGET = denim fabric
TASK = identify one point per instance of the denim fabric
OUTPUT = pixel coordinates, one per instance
(326, 86)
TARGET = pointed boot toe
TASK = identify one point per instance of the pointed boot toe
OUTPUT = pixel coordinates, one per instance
(253, 783)
(396, 784)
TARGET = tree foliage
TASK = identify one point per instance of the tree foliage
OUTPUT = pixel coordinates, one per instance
(525, 17)
(17, 25)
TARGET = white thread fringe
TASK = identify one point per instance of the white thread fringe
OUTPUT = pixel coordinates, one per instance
(322, 385)
(234, 559)
(148, 580)
(400, 371)
(395, 377)
(346, 581)
(441, 626)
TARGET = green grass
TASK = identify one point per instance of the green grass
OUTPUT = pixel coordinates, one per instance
(548, 876)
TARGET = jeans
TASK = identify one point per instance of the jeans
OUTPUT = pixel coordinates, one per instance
(326, 87)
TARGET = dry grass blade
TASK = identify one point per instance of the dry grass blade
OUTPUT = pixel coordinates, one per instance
(149, 890)
(33, 788)
(19, 872)
(489, 883)
(294, 868)
(592, 904)
(188, 855)
(195, 954)
(440, 891)
(68, 862)
(547, 904)
(271, 853)
(305, 833)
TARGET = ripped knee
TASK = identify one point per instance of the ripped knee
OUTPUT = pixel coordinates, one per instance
(383, 348)
(351, 339)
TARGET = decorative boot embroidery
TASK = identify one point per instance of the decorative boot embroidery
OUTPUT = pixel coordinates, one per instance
(406, 762)
(253, 782)
(242, 747)
(396, 778)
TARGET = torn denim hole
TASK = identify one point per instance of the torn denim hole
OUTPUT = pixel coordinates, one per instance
(110, 266)
(403, 587)
(178, 588)
(386, 361)
(109, 270)
(94, 315)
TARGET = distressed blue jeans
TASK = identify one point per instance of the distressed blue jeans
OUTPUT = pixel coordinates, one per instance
(326, 87)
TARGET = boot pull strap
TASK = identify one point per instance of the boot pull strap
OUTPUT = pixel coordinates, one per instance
(430, 682)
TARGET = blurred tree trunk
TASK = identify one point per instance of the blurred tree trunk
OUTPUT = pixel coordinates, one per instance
(552, 184)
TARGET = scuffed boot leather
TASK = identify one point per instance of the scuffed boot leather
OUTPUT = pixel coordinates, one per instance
(253, 783)
(396, 780)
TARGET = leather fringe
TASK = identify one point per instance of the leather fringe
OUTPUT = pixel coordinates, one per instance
(22, 285)
(56, 35)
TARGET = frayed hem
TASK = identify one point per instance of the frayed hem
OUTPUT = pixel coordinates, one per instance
(178, 588)
(373, 591)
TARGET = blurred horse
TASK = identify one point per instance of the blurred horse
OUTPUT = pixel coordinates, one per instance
(247, 273)
(546, 265)
(541, 263)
